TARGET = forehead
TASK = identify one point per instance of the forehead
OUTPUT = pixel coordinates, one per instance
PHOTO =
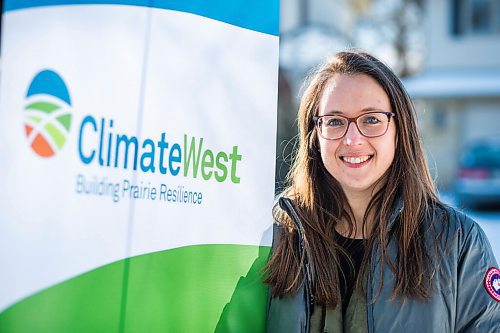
(351, 94)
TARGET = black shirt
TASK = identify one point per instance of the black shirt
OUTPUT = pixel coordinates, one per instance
(355, 248)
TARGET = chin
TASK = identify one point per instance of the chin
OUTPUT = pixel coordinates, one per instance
(358, 187)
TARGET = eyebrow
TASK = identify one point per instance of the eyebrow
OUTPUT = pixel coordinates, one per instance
(364, 110)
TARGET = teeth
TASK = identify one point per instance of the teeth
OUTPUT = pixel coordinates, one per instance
(355, 160)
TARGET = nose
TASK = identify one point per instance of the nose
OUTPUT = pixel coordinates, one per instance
(352, 137)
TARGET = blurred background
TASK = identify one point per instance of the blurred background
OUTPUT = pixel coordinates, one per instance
(448, 54)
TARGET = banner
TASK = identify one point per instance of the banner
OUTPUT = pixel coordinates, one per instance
(137, 145)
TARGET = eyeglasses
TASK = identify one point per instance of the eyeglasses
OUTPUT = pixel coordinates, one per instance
(371, 124)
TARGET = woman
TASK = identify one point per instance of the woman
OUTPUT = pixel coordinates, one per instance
(362, 243)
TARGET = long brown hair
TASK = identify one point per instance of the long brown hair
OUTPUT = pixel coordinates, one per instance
(321, 203)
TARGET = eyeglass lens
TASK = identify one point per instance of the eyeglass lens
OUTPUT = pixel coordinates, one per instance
(369, 124)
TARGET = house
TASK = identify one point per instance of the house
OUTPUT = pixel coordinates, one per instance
(458, 91)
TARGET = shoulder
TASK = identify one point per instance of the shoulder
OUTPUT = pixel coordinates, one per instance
(462, 235)
(470, 262)
(459, 235)
(283, 206)
(282, 226)
(455, 224)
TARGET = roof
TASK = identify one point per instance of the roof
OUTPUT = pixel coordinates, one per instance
(454, 83)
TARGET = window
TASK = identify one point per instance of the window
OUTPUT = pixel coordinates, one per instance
(475, 17)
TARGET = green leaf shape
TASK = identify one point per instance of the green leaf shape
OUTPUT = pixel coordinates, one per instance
(46, 107)
(198, 288)
(65, 120)
(35, 119)
(56, 135)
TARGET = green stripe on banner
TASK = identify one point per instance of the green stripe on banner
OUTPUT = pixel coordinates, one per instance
(257, 15)
(202, 288)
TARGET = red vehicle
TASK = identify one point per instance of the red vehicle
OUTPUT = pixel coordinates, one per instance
(478, 180)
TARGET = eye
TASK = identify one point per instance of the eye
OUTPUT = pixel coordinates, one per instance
(371, 120)
(334, 122)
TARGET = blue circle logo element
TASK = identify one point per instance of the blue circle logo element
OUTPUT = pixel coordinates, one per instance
(47, 113)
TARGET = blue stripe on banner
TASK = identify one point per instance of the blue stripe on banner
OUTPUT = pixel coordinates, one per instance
(257, 15)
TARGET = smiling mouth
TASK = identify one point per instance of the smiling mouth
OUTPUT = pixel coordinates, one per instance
(356, 160)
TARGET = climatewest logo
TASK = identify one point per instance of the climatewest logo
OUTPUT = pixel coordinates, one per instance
(101, 140)
(47, 113)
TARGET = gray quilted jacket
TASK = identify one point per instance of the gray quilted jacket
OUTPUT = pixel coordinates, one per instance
(459, 302)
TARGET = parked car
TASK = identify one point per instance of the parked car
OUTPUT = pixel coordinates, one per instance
(478, 178)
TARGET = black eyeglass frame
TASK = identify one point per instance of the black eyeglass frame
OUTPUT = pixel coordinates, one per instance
(354, 120)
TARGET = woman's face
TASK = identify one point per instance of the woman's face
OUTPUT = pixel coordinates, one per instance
(355, 161)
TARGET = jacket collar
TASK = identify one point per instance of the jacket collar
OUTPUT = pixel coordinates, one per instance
(397, 208)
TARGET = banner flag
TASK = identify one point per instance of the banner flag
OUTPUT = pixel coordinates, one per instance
(138, 152)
